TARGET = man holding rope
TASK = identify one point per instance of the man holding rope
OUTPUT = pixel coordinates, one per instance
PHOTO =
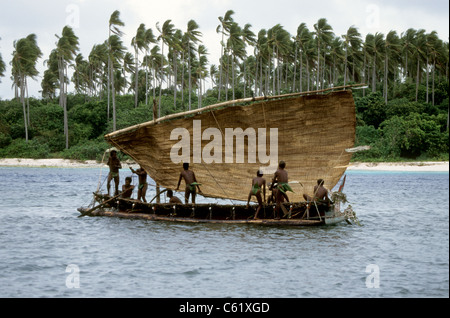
(280, 178)
(191, 183)
(114, 166)
(143, 185)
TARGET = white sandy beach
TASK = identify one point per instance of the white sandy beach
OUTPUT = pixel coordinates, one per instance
(396, 166)
(401, 166)
(53, 163)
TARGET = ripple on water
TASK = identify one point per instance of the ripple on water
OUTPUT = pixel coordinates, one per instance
(41, 234)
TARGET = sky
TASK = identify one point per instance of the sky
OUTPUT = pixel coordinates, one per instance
(89, 19)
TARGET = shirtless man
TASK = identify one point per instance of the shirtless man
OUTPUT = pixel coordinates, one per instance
(320, 193)
(173, 199)
(143, 185)
(281, 179)
(114, 166)
(127, 189)
(191, 183)
(258, 183)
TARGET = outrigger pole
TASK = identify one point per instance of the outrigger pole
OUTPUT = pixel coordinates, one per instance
(227, 103)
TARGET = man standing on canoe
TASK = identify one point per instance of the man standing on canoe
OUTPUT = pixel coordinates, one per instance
(114, 166)
(281, 179)
(143, 185)
(191, 183)
(258, 183)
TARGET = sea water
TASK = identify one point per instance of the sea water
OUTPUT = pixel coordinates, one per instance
(400, 250)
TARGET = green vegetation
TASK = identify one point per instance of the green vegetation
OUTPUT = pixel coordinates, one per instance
(402, 114)
(401, 130)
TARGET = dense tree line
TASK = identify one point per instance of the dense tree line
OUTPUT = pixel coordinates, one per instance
(403, 112)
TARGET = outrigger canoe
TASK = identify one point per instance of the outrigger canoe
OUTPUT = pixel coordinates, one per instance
(310, 131)
(298, 214)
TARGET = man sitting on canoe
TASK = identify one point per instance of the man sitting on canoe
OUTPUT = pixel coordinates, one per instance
(173, 199)
(127, 189)
(258, 183)
(114, 166)
(191, 183)
(143, 185)
(320, 193)
(281, 179)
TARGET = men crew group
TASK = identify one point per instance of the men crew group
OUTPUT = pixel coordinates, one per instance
(277, 190)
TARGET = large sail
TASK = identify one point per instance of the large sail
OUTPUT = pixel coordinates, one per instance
(226, 146)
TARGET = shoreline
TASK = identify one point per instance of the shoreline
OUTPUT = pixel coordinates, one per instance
(419, 166)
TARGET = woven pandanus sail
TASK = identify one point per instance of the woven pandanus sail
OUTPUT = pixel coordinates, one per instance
(227, 144)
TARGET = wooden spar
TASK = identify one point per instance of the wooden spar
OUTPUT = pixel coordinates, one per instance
(158, 191)
(153, 217)
(158, 195)
(100, 205)
(227, 103)
(342, 185)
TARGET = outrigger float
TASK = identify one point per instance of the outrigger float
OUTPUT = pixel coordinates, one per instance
(314, 133)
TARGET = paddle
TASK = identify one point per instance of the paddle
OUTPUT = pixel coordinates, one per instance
(99, 206)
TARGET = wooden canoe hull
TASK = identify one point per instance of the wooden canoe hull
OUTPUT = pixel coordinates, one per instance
(214, 214)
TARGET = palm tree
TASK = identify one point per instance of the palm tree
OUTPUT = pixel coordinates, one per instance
(261, 47)
(49, 82)
(128, 67)
(98, 60)
(139, 43)
(248, 37)
(351, 38)
(176, 48)
(338, 58)
(224, 28)
(324, 34)
(113, 29)
(201, 70)
(81, 75)
(419, 55)
(149, 38)
(304, 44)
(2, 66)
(153, 61)
(391, 51)
(25, 55)
(437, 53)
(431, 41)
(66, 48)
(213, 71)
(192, 34)
(166, 32)
(407, 45)
(375, 48)
(279, 40)
(116, 55)
(237, 48)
